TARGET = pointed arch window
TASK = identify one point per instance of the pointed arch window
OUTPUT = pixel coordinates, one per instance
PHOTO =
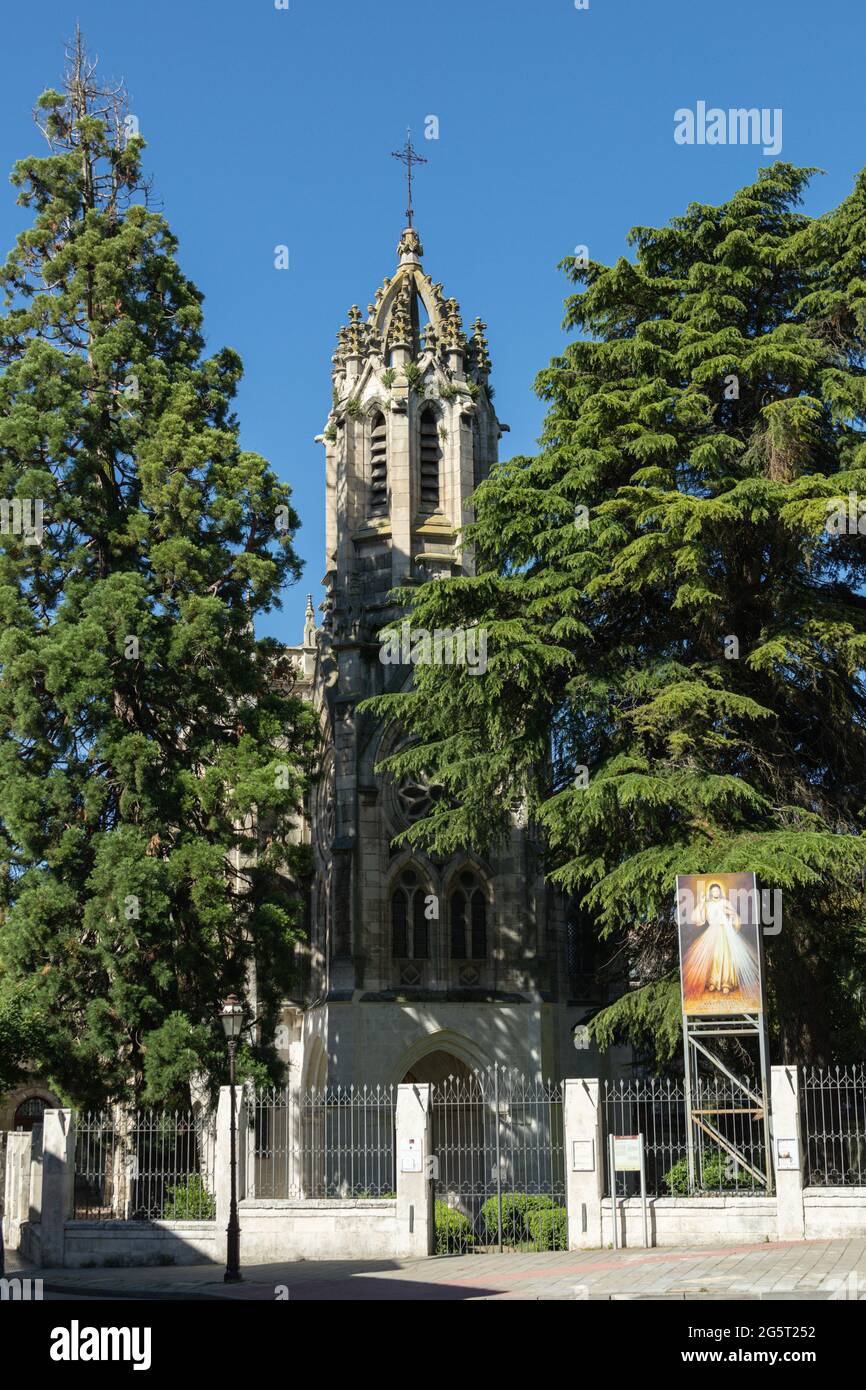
(468, 919)
(378, 465)
(431, 454)
(410, 926)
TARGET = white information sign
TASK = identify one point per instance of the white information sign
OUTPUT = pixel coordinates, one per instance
(583, 1156)
(626, 1153)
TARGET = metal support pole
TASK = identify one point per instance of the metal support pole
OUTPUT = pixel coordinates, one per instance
(612, 1171)
(765, 1091)
(643, 1193)
(687, 1082)
(233, 1230)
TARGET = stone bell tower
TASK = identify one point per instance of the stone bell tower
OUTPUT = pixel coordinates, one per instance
(415, 963)
(411, 434)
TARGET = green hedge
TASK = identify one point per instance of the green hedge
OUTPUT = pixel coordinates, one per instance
(714, 1175)
(454, 1234)
(189, 1201)
(548, 1229)
(527, 1219)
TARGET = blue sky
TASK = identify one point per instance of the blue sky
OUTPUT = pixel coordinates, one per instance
(269, 126)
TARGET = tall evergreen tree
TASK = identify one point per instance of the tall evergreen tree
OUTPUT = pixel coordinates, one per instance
(672, 605)
(152, 751)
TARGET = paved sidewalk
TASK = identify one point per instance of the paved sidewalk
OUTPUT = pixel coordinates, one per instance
(811, 1270)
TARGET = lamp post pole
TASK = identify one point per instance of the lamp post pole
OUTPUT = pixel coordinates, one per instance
(232, 1016)
(233, 1232)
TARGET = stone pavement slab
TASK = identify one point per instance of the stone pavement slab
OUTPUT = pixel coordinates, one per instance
(816, 1270)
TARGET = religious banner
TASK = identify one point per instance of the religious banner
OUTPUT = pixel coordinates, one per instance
(718, 920)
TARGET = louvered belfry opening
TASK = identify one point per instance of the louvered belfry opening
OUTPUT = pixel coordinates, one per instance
(378, 466)
(430, 455)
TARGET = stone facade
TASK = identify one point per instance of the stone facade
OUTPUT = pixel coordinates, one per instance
(413, 962)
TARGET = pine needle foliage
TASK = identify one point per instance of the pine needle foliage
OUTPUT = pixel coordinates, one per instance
(152, 750)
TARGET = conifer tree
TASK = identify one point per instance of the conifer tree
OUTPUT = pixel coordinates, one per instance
(152, 750)
(675, 612)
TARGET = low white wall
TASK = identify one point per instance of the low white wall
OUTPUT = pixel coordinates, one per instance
(98, 1244)
(722, 1220)
(317, 1230)
(270, 1231)
(834, 1212)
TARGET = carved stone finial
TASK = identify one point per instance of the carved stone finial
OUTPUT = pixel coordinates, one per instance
(342, 348)
(400, 328)
(309, 624)
(453, 335)
(410, 244)
(355, 332)
(479, 347)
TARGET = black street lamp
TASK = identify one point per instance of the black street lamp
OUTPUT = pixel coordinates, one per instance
(232, 1014)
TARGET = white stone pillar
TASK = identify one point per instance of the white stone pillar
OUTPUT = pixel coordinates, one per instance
(786, 1132)
(16, 1204)
(584, 1162)
(415, 1171)
(222, 1161)
(58, 1179)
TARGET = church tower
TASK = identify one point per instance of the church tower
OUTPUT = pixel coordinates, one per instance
(418, 967)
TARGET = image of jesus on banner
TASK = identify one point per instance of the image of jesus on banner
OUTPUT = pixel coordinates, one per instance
(720, 966)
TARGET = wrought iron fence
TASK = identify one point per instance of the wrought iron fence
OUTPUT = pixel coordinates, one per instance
(499, 1174)
(144, 1165)
(833, 1113)
(656, 1109)
(272, 1144)
(334, 1142)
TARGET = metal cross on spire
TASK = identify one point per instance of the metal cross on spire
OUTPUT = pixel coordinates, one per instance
(408, 156)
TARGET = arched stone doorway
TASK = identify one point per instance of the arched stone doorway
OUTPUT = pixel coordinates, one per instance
(23, 1107)
(29, 1113)
(434, 1057)
(438, 1066)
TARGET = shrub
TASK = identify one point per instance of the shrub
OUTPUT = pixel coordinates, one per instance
(516, 1208)
(715, 1176)
(548, 1228)
(454, 1234)
(189, 1201)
